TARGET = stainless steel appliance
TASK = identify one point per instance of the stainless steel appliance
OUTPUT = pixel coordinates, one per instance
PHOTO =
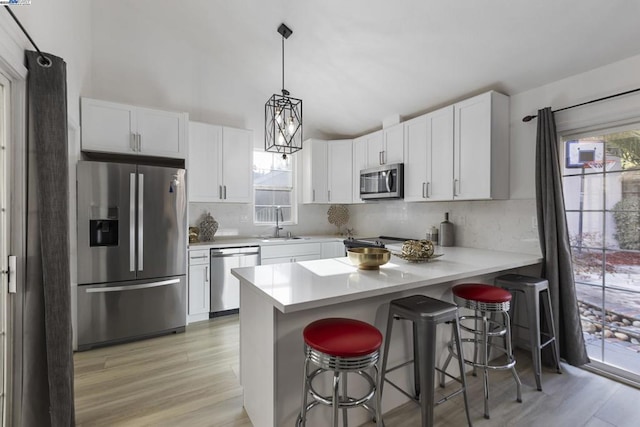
(225, 289)
(131, 252)
(372, 242)
(382, 182)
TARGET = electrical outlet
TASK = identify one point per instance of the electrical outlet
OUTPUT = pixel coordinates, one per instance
(244, 218)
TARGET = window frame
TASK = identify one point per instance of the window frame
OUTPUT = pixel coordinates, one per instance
(294, 192)
(601, 363)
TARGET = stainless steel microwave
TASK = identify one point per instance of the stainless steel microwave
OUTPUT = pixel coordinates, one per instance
(382, 182)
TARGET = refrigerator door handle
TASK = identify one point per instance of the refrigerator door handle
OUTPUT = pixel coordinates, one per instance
(134, 287)
(132, 222)
(140, 221)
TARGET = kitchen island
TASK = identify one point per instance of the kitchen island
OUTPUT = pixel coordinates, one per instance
(278, 301)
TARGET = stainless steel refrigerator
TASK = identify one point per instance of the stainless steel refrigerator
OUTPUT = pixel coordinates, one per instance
(131, 252)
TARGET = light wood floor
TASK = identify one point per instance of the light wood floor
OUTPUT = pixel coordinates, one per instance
(190, 379)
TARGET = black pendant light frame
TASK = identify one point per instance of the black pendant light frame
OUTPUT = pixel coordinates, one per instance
(283, 115)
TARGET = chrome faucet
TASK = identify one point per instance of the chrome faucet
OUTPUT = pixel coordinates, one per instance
(279, 217)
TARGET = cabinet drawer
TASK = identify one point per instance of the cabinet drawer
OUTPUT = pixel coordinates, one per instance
(291, 250)
(200, 256)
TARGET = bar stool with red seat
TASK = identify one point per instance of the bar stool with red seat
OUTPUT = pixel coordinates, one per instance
(341, 346)
(486, 300)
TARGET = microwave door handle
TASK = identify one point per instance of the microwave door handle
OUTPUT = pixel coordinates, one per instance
(132, 222)
(389, 182)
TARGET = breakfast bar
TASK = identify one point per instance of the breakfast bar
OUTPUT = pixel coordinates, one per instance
(278, 301)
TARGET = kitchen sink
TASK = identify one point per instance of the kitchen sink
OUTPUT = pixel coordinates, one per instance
(281, 239)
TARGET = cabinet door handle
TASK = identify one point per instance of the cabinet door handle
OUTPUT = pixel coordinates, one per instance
(220, 192)
(313, 195)
(329, 195)
(424, 193)
(380, 157)
(225, 191)
(139, 143)
(206, 274)
(384, 157)
(133, 142)
(456, 185)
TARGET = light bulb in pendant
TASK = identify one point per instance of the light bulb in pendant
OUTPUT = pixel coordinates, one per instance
(291, 126)
(280, 138)
(278, 116)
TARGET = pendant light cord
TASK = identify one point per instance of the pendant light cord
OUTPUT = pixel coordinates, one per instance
(283, 89)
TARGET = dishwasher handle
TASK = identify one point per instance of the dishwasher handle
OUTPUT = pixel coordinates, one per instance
(228, 252)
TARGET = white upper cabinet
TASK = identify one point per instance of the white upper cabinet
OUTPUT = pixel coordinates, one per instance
(375, 148)
(314, 158)
(327, 171)
(481, 147)
(385, 146)
(339, 171)
(428, 170)
(110, 127)
(204, 174)
(220, 164)
(393, 150)
(359, 163)
(237, 165)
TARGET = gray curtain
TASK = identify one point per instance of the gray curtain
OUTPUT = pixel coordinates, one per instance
(554, 242)
(47, 357)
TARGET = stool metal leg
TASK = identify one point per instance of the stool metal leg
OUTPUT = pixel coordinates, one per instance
(336, 398)
(385, 355)
(455, 327)
(378, 379)
(533, 314)
(426, 359)
(485, 362)
(302, 418)
(509, 348)
(416, 366)
(343, 380)
(552, 332)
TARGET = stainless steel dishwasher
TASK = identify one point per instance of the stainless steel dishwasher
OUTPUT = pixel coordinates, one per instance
(225, 289)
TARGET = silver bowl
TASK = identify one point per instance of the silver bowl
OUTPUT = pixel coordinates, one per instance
(369, 258)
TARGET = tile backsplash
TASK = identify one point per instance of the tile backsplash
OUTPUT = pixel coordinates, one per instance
(502, 224)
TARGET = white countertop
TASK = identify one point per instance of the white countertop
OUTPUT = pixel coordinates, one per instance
(303, 285)
(230, 242)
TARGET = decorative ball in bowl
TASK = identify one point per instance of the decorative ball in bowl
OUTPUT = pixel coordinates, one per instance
(369, 258)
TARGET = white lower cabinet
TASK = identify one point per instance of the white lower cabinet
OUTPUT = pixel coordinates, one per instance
(199, 294)
(332, 250)
(303, 251)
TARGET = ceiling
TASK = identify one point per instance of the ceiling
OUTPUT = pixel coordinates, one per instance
(357, 62)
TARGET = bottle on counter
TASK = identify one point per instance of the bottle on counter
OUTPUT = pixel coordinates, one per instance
(446, 231)
(432, 234)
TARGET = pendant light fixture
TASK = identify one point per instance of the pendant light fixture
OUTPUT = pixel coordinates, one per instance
(283, 116)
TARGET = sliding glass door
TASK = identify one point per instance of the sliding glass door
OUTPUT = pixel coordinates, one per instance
(602, 201)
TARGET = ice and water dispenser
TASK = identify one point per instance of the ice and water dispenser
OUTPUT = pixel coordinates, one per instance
(103, 227)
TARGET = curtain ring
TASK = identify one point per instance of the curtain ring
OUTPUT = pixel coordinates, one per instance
(45, 62)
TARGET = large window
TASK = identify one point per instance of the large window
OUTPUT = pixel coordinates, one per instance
(273, 183)
(601, 181)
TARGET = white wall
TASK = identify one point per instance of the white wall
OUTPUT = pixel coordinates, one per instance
(62, 28)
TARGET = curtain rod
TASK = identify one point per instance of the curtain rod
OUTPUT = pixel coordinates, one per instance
(529, 118)
(43, 60)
